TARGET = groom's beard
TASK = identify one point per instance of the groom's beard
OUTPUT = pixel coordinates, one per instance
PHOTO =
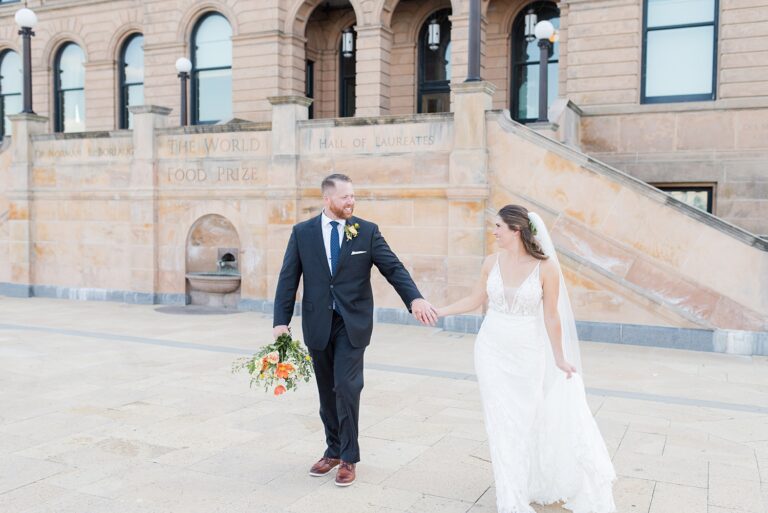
(341, 213)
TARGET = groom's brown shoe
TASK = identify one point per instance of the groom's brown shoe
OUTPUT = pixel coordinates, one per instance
(323, 466)
(345, 476)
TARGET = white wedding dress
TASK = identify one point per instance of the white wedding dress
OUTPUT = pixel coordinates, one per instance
(544, 443)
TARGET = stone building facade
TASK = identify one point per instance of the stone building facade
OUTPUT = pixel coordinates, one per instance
(716, 146)
(104, 195)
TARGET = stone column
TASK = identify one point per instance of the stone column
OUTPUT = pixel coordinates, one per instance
(459, 48)
(283, 179)
(468, 190)
(20, 243)
(100, 98)
(254, 78)
(145, 277)
(460, 51)
(374, 49)
(160, 65)
(292, 69)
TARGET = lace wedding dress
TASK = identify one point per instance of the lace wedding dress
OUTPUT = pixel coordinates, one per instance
(545, 445)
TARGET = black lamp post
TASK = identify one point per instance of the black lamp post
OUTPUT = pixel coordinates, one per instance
(183, 66)
(26, 19)
(473, 61)
(544, 32)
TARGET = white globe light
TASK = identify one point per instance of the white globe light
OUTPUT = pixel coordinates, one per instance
(544, 30)
(183, 65)
(25, 18)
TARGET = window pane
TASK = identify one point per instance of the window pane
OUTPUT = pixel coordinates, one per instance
(72, 71)
(134, 61)
(697, 199)
(528, 94)
(213, 43)
(74, 110)
(11, 105)
(679, 12)
(10, 74)
(348, 98)
(135, 97)
(528, 51)
(437, 63)
(435, 102)
(214, 89)
(679, 62)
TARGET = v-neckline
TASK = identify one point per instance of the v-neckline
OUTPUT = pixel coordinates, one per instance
(501, 276)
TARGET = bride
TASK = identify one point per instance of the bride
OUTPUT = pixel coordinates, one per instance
(544, 443)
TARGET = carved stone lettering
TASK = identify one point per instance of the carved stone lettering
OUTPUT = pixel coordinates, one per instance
(209, 145)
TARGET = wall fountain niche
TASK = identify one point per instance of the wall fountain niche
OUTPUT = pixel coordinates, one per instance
(213, 263)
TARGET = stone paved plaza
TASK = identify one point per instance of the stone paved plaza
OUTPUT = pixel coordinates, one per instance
(112, 408)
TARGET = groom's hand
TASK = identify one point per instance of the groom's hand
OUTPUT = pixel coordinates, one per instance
(424, 312)
(279, 330)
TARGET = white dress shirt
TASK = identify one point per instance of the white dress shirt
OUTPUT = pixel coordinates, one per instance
(326, 223)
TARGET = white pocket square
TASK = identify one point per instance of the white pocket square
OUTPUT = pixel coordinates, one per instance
(358, 252)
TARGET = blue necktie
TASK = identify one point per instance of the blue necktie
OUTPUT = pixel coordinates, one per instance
(335, 249)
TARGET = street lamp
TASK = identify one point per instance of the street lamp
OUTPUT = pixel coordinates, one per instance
(26, 19)
(544, 32)
(183, 66)
(347, 43)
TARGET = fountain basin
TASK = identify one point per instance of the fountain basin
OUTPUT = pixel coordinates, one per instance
(214, 283)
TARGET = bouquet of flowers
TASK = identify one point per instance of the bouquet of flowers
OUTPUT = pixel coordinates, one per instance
(281, 365)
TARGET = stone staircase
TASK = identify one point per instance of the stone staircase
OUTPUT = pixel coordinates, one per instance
(630, 250)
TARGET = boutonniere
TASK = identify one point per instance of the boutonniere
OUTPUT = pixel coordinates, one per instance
(351, 230)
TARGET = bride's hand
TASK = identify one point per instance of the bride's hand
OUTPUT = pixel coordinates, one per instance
(566, 367)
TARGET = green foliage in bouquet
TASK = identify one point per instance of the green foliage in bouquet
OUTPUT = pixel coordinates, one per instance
(281, 365)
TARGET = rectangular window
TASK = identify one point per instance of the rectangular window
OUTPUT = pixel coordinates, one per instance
(679, 50)
(700, 196)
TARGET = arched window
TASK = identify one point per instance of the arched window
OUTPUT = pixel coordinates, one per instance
(10, 88)
(211, 70)
(69, 87)
(131, 78)
(347, 75)
(525, 64)
(435, 65)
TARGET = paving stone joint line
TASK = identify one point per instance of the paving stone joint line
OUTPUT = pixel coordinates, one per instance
(639, 396)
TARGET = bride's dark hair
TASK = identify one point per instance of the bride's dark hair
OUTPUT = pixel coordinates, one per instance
(516, 217)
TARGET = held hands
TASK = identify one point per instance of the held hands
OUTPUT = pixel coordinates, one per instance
(565, 367)
(424, 312)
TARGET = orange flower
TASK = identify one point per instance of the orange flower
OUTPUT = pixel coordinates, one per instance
(284, 370)
(279, 389)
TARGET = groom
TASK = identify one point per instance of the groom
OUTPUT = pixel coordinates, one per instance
(335, 252)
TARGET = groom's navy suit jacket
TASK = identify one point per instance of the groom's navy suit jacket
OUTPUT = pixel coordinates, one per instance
(349, 288)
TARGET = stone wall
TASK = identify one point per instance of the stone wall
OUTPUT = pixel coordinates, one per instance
(626, 244)
(718, 142)
(109, 215)
(724, 147)
(722, 142)
(81, 212)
